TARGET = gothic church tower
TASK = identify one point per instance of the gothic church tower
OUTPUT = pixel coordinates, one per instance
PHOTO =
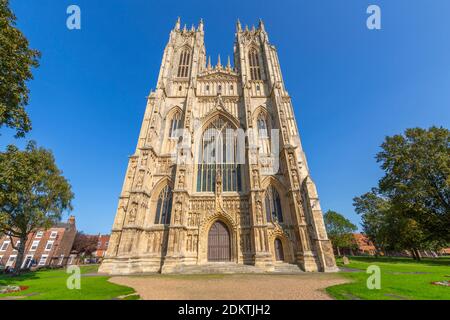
(219, 176)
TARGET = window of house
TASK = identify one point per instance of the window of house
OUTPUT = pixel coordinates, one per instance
(207, 88)
(49, 245)
(11, 261)
(39, 234)
(5, 245)
(43, 260)
(61, 260)
(164, 206)
(17, 245)
(1, 259)
(34, 245)
(183, 66)
(255, 70)
(231, 87)
(53, 234)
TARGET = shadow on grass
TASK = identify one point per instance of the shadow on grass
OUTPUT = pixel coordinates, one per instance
(8, 279)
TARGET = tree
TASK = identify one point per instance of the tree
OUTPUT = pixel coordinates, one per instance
(410, 209)
(33, 193)
(84, 244)
(339, 230)
(16, 62)
(374, 210)
(417, 178)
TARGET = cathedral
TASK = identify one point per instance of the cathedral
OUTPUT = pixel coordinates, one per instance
(219, 176)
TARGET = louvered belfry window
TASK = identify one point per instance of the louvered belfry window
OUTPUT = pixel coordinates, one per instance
(183, 66)
(255, 70)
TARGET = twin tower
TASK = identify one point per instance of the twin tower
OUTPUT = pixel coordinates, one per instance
(219, 177)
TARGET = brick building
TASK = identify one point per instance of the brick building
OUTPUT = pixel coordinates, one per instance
(102, 246)
(50, 247)
(364, 245)
(361, 246)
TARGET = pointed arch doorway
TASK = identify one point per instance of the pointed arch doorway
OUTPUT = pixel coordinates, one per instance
(279, 254)
(219, 243)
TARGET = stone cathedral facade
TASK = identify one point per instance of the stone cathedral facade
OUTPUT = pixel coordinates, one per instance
(219, 175)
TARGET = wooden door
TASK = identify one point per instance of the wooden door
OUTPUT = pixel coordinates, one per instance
(219, 243)
(279, 254)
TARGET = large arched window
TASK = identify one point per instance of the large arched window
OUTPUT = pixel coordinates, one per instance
(218, 156)
(164, 206)
(273, 205)
(174, 125)
(255, 70)
(183, 66)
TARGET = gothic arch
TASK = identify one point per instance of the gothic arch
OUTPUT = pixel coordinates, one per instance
(285, 207)
(252, 45)
(183, 47)
(213, 153)
(170, 112)
(288, 248)
(274, 181)
(206, 225)
(157, 189)
(261, 109)
(213, 116)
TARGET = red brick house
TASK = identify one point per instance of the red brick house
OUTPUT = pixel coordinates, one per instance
(50, 247)
(362, 246)
(102, 246)
(365, 246)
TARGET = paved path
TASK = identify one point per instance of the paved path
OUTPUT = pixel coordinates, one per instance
(308, 286)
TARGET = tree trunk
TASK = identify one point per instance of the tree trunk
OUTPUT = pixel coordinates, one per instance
(20, 255)
(338, 251)
(413, 254)
(417, 254)
(377, 252)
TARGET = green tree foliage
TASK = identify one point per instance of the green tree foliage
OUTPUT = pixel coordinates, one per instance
(33, 193)
(339, 230)
(417, 178)
(410, 209)
(16, 62)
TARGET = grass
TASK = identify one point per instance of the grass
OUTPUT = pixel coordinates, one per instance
(51, 285)
(401, 279)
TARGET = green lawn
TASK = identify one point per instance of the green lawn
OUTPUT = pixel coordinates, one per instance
(401, 278)
(51, 285)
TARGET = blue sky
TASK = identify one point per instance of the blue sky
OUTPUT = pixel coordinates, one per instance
(350, 86)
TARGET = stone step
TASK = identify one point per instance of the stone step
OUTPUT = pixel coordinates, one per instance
(230, 268)
(287, 268)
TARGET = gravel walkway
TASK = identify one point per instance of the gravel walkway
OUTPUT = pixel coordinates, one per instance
(308, 286)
